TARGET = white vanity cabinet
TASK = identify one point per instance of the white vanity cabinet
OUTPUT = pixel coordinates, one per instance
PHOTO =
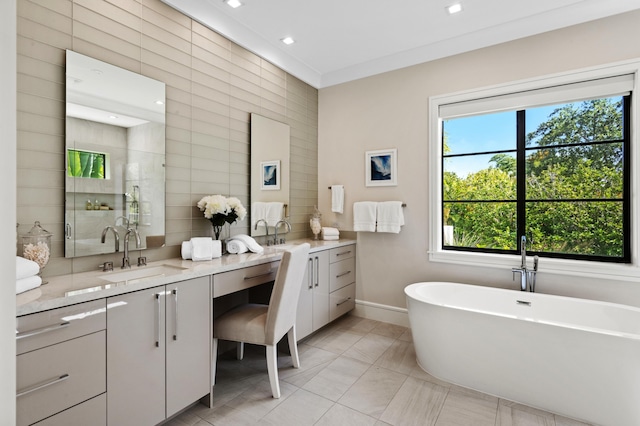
(313, 303)
(158, 351)
(61, 366)
(328, 289)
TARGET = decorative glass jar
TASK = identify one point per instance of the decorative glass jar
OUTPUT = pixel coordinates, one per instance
(316, 223)
(36, 246)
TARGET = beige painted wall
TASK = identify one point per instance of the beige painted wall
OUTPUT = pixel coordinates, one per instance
(391, 111)
(212, 85)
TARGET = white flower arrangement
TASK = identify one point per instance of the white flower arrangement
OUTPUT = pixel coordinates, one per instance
(220, 210)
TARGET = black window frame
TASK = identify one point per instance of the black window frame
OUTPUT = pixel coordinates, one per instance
(521, 200)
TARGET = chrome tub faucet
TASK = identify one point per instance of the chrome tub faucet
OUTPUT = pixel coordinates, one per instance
(527, 276)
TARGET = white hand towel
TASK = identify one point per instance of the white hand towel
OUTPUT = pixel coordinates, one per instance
(329, 231)
(25, 268)
(364, 216)
(337, 198)
(28, 283)
(389, 216)
(216, 249)
(201, 248)
(274, 213)
(185, 250)
(330, 237)
(258, 212)
(236, 247)
(249, 242)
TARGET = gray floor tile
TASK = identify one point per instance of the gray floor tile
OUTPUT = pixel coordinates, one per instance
(341, 415)
(334, 380)
(373, 391)
(416, 403)
(301, 408)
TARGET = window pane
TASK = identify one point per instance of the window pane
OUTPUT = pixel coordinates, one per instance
(584, 228)
(480, 225)
(480, 133)
(575, 172)
(480, 177)
(588, 121)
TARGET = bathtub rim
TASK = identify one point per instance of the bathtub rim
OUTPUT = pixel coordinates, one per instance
(411, 292)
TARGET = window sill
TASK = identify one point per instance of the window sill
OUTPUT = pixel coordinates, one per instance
(575, 268)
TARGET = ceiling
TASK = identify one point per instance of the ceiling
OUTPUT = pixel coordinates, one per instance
(340, 41)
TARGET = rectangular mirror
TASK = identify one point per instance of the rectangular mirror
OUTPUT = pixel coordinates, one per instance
(270, 142)
(115, 156)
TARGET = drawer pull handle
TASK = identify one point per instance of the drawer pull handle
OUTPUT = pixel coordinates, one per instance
(343, 274)
(175, 314)
(343, 253)
(42, 330)
(258, 276)
(344, 301)
(310, 276)
(157, 315)
(42, 385)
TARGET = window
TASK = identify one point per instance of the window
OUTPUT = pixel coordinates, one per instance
(550, 159)
(86, 164)
(556, 174)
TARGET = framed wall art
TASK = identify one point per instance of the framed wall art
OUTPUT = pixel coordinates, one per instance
(381, 167)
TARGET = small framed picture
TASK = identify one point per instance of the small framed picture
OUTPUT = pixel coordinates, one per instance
(270, 175)
(381, 167)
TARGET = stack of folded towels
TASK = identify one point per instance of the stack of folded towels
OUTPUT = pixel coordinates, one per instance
(201, 248)
(330, 234)
(26, 275)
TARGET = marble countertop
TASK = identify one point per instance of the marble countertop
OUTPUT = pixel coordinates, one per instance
(65, 290)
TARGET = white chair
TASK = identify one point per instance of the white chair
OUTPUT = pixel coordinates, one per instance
(267, 324)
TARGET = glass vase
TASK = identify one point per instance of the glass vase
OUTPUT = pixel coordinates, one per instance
(36, 246)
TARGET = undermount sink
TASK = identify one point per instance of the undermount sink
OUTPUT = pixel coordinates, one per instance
(142, 273)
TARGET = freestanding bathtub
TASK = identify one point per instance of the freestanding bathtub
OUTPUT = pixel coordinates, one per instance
(574, 357)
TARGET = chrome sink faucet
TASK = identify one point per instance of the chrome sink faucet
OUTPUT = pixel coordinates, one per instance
(275, 237)
(125, 259)
(266, 228)
(115, 235)
(527, 276)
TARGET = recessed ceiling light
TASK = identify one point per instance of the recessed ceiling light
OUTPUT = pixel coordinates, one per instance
(234, 3)
(454, 8)
(288, 40)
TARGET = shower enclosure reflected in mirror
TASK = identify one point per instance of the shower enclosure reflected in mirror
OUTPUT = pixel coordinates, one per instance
(115, 154)
(270, 142)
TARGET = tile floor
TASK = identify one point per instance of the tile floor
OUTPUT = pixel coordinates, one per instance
(355, 371)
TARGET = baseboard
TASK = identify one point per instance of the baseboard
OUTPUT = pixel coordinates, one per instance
(379, 312)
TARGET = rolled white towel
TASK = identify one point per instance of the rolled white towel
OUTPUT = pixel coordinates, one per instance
(249, 242)
(201, 248)
(28, 283)
(25, 268)
(185, 250)
(330, 237)
(236, 247)
(330, 232)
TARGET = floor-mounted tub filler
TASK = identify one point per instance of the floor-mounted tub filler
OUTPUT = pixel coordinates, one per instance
(574, 357)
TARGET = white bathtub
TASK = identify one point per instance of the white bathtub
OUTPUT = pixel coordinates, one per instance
(574, 357)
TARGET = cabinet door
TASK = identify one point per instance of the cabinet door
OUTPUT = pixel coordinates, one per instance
(320, 289)
(188, 306)
(304, 315)
(136, 358)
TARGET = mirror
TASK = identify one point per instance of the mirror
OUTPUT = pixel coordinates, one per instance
(269, 172)
(115, 154)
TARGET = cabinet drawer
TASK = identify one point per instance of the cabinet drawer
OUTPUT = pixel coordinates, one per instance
(342, 301)
(342, 273)
(36, 331)
(60, 376)
(240, 279)
(341, 253)
(92, 412)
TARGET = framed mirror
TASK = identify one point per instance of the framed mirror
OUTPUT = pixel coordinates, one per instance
(270, 142)
(115, 156)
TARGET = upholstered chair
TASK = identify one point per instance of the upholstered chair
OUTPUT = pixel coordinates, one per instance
(267, 324)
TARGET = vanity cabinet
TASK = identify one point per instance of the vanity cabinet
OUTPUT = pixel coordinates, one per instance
(158, 351)
(328, 289)
(61, 365)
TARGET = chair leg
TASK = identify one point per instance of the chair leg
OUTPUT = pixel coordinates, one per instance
(240, 351)
(272, 368)
(293, 347)
(214, 360)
